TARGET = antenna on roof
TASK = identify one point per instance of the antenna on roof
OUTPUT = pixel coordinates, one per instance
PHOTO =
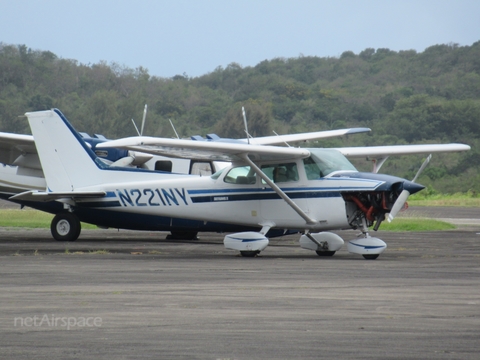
(245, 122)
(173, 127)
(281, 138)
(140, 133)
(143, 120)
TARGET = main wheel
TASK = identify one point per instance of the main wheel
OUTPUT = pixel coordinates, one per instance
(325, 253)
(182, 235)
(371, 257)
(249, 253)
(65, 227)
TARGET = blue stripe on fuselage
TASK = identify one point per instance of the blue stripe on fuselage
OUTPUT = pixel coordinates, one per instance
(270, 195)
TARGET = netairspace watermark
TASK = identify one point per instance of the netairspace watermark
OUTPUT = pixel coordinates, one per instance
(50, 320)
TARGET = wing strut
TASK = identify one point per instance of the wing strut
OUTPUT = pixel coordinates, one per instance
(377, 163)
(279, 191)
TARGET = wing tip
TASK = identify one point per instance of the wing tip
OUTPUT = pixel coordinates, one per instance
(358, 130)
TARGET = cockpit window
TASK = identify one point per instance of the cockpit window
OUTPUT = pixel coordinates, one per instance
(240, 175)
(325, 161)
(202, 168)
(281, 172)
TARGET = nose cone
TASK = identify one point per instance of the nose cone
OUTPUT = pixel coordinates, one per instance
(412, 187)
(389, 182)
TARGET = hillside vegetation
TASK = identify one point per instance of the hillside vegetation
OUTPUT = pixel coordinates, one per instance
(404, 97)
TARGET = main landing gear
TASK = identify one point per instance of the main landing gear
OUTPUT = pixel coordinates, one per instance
(65, 227)
(182, 235)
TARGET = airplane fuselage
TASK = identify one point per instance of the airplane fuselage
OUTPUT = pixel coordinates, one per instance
(168, 198)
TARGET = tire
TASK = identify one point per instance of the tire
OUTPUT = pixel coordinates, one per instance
(370, 257)
(249, 253)
(182, 235)
(325, 253)
(65, 227)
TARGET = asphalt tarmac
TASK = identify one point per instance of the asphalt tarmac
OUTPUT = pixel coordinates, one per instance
(126, 295)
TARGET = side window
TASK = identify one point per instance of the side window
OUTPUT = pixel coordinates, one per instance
(281, 172)
(311, 169)
(240, 175)
(163, 165)
(202, 168)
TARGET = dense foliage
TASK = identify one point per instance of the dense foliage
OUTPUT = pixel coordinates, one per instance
(405, 97)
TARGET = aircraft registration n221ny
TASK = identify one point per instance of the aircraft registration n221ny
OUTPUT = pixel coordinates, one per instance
(266, 191)
(20, 168)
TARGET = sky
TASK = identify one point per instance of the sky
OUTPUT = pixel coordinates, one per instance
(194, 37)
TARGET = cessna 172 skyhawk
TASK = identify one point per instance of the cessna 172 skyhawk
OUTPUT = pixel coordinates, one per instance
(21, 170)
(266, 191)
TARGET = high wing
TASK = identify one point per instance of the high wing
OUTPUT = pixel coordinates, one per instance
(385, 151)
(208, 150)
(14, 145)
(216, 150)
(281, 139)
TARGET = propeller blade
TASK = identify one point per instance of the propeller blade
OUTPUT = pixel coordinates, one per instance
(401, 200)
(424, 165)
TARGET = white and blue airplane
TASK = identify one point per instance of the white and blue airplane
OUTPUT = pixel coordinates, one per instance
(266, 191)
(21, 170)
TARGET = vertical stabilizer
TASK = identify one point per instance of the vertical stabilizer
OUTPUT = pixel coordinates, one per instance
(67, 162)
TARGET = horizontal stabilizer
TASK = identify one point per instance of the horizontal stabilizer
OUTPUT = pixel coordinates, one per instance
(51, 196)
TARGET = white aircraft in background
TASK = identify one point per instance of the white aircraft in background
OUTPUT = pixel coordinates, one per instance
(266, 191)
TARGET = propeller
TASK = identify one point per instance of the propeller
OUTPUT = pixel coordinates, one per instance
(402, 198)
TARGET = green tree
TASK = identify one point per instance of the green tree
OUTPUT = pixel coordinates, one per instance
(259, 120)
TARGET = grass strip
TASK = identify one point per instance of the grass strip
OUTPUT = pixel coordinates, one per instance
(469, 199)
(416, 224)
(28, 218)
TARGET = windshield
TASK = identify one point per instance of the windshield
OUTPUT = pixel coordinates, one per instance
(325, 161)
